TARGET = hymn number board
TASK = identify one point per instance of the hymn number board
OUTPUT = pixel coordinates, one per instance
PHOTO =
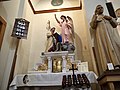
(20, 29)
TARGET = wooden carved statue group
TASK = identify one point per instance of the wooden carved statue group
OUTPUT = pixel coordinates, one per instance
(63, 41)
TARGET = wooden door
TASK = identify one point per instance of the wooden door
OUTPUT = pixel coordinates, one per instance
(2, 30)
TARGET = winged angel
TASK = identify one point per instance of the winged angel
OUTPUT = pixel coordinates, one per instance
(67, 32)
(71, 28)
(67, 29)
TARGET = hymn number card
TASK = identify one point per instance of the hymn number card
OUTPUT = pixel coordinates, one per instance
(20, 29)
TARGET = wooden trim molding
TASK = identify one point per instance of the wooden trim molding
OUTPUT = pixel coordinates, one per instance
(2, 29)
(54, 10)
(2, 20)
(31, 6)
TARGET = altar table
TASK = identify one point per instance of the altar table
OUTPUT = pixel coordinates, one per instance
(46, 79)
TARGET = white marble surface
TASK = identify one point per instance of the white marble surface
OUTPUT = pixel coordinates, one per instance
(45, 79)
(62, 54)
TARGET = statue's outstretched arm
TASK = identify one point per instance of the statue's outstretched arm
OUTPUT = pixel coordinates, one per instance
(56, 18)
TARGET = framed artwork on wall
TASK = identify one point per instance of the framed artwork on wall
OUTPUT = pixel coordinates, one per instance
(49, 6)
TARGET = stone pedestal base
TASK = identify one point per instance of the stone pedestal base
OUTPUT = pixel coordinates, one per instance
(63, 54)
(110, 80)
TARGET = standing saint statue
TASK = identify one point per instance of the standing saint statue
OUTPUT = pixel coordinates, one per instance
(106, 39)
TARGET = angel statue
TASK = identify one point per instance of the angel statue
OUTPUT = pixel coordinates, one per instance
(67, 32)
(71, 28)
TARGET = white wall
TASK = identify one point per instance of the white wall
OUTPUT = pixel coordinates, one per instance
(25, 44)
(115, 3)
(81, 20)
(88, 11)
(90, 8)
(39, 35)
(8, 10)
(11, 10)
(30, 49)
(91, 5)
(39, 32)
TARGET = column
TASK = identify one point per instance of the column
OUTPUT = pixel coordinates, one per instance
(49, 64)
(71, 57)
(43, 59)
(64, 64)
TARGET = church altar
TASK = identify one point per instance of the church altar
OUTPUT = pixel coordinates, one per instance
(63, 54)
(46, 79)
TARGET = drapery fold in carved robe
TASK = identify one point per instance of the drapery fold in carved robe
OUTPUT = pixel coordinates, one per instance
(106, 42)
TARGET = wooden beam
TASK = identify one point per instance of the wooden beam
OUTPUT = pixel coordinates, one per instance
(31, 6)
(13, 64)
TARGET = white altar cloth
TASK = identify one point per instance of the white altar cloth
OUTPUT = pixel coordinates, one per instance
(46, 79)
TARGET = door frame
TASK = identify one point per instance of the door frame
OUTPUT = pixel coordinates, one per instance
(2, 29)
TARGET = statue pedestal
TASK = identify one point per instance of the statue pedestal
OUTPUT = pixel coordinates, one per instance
(110, 80)
(63, 54)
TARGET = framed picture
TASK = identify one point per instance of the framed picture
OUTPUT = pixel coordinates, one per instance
(49, 6)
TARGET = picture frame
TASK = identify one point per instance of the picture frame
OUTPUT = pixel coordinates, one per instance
(36, 8)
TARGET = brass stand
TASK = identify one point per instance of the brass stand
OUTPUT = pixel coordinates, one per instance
(13, 64)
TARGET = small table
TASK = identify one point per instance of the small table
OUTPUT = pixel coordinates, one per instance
(108, 80)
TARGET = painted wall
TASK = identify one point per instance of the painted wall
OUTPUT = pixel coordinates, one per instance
(30, 49)
(116, 5)
(81, 20)
(39, 31)
(8, 10)
(25, 44)
(90, 7)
